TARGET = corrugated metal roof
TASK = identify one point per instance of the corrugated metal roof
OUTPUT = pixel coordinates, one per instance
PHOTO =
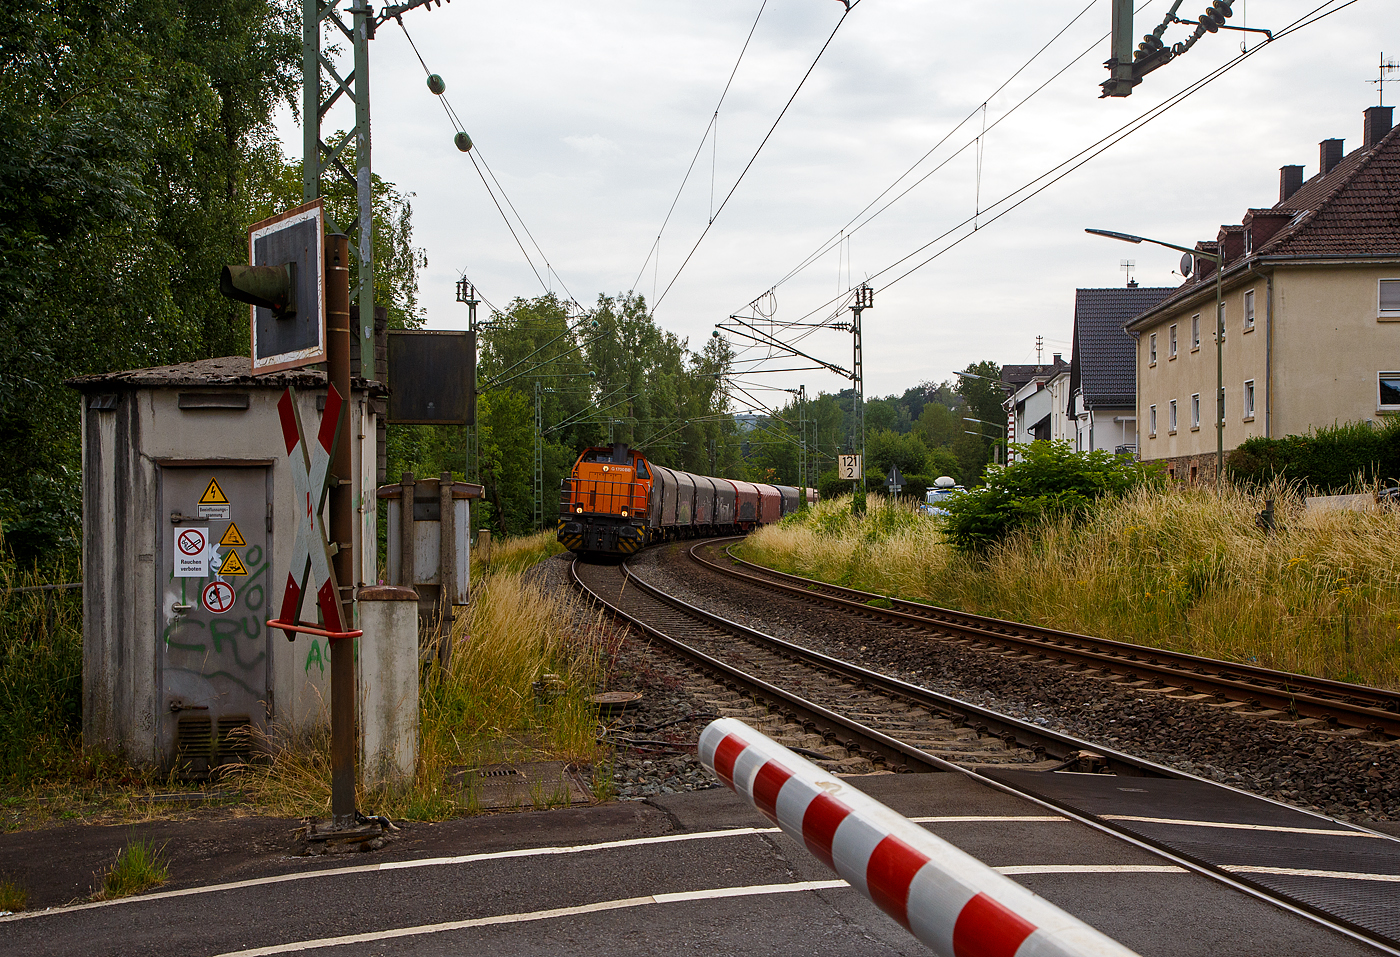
(224, 371)
(1102, 363)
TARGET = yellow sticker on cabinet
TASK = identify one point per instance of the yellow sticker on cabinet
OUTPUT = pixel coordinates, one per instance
(232, 565)
(213, 495)
(233, 537)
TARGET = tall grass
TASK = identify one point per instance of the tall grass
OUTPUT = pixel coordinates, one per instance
(514, 554)
(139, 866)
(1181, 568)
(41, 676)
(483, 708)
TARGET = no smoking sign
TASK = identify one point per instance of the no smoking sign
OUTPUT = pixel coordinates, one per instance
(191, 552)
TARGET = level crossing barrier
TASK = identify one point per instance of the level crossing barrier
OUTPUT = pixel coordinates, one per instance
(949, 900)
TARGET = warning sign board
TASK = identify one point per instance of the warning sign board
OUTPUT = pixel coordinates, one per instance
(191, 551)
(217, 597)
(233, 537)
(232, 565)
(213, 495)
(213, 503)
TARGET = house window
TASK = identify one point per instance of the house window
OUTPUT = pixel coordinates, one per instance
(1171, 342)
(1390, 390)
(1248, 309)
(1195, 332)
(1171, 417)
(1389, 298)
(1248, 400)
(1152, 349)
(1196, 411)
(1152, 420)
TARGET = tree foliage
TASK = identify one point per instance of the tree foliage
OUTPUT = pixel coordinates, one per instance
(124, 134)
(1048, 479)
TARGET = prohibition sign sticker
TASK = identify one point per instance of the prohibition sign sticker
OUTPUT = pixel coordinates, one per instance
(191, 552)
(218, 597)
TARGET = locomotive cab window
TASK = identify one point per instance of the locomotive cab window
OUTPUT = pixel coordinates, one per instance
(642, 472)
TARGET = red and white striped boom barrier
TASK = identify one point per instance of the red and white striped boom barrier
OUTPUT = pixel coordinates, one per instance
(948, 899)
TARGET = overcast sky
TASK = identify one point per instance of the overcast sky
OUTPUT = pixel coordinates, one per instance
(590, 113)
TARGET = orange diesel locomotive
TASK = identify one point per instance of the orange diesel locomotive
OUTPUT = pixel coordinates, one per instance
(615, 503)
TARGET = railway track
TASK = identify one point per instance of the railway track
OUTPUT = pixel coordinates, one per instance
(829, 710)
(1261, 691)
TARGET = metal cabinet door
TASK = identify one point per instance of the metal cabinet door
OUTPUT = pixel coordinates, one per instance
(214, 656)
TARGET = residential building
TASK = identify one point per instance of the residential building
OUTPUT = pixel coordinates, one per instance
(1032, 400)
(1311, 291)
(1101, 387)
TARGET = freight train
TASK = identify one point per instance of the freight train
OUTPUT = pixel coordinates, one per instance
(615, 502)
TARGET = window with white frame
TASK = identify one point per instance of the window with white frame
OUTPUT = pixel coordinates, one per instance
(1389, 390)
(1249, 398)
(1152, 348)
(1171, 342)
(1171, 416)
(1195, 332)
(1151, 420)
(1196, 411)
(1388, 298)
(1248, 309)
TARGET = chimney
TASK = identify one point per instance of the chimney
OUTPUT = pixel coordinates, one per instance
(1378, 123)
(1056, 358)
(1329, 155)
(1290, 180)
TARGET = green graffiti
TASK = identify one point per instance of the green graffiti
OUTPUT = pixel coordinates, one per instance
(314, 657)
(227, 630)
(165, 636)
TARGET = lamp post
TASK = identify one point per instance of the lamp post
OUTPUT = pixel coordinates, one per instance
(1219, 260)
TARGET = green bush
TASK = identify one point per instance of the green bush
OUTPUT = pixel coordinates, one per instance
(1049, 479)
(829, 486)
(1331, 459)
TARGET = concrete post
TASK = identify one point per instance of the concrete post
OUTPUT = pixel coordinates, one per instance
(447, 568)
(388, 684)
(407, 576)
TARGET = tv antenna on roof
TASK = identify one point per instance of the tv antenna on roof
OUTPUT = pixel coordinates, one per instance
(1386, 66)
(1127, 266)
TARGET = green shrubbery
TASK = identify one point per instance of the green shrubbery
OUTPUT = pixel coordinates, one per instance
(1332, 459)
(1048, 479)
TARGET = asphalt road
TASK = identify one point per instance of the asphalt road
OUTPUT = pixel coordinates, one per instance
(697, 873)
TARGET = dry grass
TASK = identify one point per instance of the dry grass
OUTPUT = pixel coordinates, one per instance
(514, 554)
(482, 709)
(1180, 568)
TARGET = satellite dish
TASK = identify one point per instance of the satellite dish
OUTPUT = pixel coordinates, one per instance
(1188, 263)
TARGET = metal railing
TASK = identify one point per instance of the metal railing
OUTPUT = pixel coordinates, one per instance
(599, 496)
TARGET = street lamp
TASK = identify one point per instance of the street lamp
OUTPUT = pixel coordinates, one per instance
(1219, 261)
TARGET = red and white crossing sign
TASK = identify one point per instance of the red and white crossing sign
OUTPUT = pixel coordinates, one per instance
(217, 597)
(310, 474)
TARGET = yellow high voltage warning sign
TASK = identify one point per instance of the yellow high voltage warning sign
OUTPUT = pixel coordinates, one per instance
(232, 565)
(233, 537)
(213, 495)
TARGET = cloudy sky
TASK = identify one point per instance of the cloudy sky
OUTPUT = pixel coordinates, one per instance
(590, 113)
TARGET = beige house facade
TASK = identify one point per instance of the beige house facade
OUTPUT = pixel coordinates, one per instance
(1311, 305)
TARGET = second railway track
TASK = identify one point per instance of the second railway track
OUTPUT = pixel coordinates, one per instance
(1268, 693)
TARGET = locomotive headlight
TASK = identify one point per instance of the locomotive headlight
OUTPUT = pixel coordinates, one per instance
(579, 510)
(624, 513)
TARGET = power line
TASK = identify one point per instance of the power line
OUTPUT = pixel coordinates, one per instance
(714, 120)
(1093, 150)
(473, 151)
(849, 7)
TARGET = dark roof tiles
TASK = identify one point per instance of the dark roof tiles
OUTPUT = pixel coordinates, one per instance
(1102, 364)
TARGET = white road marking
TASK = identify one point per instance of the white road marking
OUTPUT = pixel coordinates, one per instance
(470, 859)
(992, 819)
(715, 893)
(1243, 827)
(398, 932)
(1309, 872)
